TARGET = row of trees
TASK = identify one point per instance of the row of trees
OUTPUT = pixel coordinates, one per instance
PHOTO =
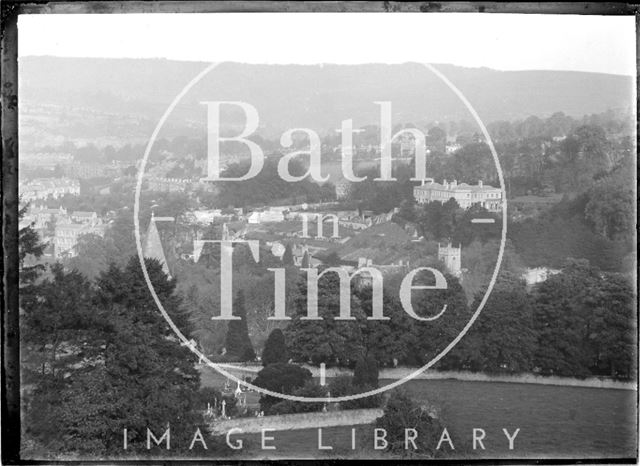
(267, 186)
(280, 375)
(579, 322)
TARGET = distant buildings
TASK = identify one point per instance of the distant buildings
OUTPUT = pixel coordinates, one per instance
(538, 275)
(46, 160)
(85, 170)
(271, 215)
(42, 188)
(168, 185)
(67, 234)
(62, 228)
(87, 218)
(42, 216)
(465, 195)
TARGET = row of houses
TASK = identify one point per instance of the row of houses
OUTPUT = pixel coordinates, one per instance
(44, 188)
(173, 185)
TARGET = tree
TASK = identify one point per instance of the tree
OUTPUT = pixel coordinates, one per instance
(584, 322)
(280, 378)
(400, 413)
(502, 339)
(343, 385)
(58, 319)
(310, 389)
(306, 260)
(614, 328)
(122, 367)
(610, 209)
(287, 257)
(30, 249)
(386, 341)
(438, 220)
(237, 342)
(275, 349)
(93, 255)
(584, 154)
(407, 211)
(325, 340)
(366, 372)
(428, 338)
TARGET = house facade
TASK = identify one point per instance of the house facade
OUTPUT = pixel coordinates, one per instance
(465, 195)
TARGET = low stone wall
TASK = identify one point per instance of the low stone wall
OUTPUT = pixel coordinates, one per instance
(400, 372)
(297, 421)
(591, 382)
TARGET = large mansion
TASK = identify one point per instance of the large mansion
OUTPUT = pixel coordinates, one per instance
(465, 195)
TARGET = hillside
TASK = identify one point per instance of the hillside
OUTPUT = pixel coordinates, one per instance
(318, 96)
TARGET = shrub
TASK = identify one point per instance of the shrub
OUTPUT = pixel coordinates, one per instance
(344, 386)
(310, 390)
(402, 412)
(248, 354)
(281, 378)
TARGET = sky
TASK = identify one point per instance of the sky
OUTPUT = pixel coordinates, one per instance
(603, 44)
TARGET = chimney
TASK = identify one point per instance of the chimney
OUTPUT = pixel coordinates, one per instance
(480, 183)
(454, 183)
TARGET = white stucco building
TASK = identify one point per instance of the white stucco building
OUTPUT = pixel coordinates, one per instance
(465, 195)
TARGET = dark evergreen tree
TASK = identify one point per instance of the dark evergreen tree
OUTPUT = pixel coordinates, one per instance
(287, 257)
(306, 260)
(280, 378)
(275, 349)
(30, 249)
(326, 340)
(122, 365)
(237, 342)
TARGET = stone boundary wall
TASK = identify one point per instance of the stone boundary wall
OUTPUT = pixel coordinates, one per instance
(297, 421)
(400, 372)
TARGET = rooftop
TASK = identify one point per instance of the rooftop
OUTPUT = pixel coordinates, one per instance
(445, 186)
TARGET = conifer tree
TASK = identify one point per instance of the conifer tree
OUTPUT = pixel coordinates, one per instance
(237, 341)
(275, 349)
(287, 257)
(306, 260)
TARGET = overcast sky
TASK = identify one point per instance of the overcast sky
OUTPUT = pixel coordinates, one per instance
(506, 42)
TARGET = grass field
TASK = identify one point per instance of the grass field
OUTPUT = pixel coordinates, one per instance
(554, 422)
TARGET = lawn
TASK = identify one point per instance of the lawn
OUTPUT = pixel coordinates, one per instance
(554, 422)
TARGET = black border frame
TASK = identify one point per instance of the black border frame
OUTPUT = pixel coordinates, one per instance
(10, 9)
